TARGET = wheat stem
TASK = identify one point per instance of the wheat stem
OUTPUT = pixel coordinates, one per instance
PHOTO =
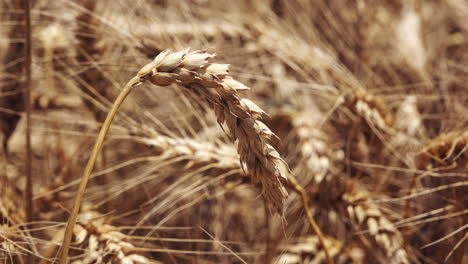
(27, 104)
(89, 168)
(305, 203)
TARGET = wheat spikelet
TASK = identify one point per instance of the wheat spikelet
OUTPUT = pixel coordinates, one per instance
(102, 243)
(367, 124)
(410, 55)
(409, 129)
(364, 214)
(12, 243)
(317, 158)
(315, 146)
(445, 155)
(241, 116)
(446, 149)
(307, 250)
(371, 109)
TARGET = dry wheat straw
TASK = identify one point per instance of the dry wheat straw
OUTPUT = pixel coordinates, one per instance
(27, 103)
(317, 43)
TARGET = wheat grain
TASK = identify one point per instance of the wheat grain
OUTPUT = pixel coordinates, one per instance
(221, 155)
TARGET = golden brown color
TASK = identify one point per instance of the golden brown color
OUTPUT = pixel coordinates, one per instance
(357, 108)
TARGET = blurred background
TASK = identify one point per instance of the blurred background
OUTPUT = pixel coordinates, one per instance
(369, 100)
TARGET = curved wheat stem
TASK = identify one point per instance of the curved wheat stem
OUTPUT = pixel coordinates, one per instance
(305, 203)
(89, 168)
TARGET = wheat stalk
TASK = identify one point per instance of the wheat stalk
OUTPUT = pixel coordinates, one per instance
(89, 167)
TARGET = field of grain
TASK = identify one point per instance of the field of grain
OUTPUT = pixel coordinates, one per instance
(266, 131)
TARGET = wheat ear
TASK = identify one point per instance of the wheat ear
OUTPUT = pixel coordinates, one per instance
(242, 117)
(366, 214)
(104, 243)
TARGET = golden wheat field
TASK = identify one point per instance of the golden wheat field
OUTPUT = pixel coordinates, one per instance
(244, 131)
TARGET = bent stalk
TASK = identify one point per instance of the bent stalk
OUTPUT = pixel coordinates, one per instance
(89, 167)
